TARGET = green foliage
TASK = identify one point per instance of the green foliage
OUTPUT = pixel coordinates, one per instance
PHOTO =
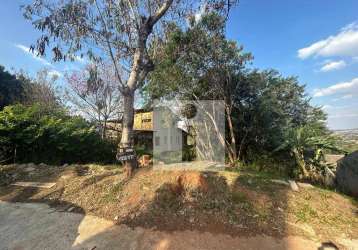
(306, 144)
(11, 89)
(33, 134)
(265, 107)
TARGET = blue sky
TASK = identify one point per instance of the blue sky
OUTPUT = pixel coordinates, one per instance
(315, 40)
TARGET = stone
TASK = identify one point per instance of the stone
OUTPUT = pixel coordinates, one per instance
(281, 182)
(347, 174)
(293, 186)
(34, 184)
(70, 209)
(29, 167)
(304, 185)
(65, 165)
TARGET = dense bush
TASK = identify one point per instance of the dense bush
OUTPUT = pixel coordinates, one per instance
(34, 134)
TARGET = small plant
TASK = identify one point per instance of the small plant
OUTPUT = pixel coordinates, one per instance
(305, 213)
(113, 193)
(239, 197)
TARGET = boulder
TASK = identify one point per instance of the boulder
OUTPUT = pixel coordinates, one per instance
(30, 167)
(293, 186)
(42, 165)
(347, 174)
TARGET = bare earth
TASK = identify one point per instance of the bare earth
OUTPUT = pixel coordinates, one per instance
(37, 226)
(92, 207)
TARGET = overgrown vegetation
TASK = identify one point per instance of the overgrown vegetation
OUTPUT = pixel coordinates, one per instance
(269, 117)
(31, 134)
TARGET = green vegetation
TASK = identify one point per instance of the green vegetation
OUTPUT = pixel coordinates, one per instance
(31, 134)
(271, 124)
(305, 213)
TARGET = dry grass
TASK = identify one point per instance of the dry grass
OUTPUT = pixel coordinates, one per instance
(223, 202)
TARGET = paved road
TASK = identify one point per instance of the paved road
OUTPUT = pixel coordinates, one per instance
(37, 226)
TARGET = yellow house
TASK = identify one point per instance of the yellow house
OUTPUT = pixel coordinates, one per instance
(143, 123)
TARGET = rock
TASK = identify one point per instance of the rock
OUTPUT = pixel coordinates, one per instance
(65, 165)
(329, 178)
(116, 218)
(293, 186)
(42, 165)
(347, 174)
(281, 182)
(304, 185)
(30, 167)
(70, 209)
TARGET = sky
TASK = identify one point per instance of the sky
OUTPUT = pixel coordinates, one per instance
(315, 40)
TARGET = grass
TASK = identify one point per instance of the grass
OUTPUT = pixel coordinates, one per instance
(305, 213)
(247, 201)
(239, 197)
(113, 193)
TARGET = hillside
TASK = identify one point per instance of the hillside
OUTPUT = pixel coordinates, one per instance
(235, 203)
(349, 139)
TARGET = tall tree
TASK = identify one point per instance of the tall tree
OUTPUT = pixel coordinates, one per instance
(11, 88)
(201, 64)
(41, 89)
(93, 93)
(119, 30)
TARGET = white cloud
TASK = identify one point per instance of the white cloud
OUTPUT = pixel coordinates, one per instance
(349, 96)
(342, 117)
(344, 88)
(80, 59)
(345, 43)
(333, 66)
(52, 73)
(34, 56)
(200, 13)
(327, 106)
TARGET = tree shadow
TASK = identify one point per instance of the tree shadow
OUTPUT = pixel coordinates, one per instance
(207, 203)
(201, 202)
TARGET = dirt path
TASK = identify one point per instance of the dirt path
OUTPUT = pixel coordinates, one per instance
(38, 226)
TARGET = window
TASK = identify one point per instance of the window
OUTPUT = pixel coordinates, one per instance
(157, 141)
(165, 140)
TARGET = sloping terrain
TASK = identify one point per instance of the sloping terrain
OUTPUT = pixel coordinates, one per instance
(239, 204)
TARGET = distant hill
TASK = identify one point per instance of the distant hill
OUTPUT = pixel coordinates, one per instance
(349, 138)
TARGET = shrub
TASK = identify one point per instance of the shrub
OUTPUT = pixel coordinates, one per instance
(32, 134)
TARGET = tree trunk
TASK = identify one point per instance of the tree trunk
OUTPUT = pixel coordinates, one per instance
(232, 151)
(240, 154)
(104, 131)
(127, 129)
(301, 162)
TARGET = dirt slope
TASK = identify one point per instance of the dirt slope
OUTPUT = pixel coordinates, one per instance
(237, 204)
